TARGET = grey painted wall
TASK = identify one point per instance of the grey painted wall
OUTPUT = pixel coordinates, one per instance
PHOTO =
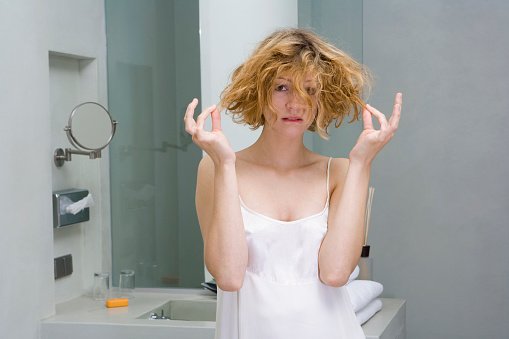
(440, 216)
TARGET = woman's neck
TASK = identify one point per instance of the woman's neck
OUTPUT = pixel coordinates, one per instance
(278, 151)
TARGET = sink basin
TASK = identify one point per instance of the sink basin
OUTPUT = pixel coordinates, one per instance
(191, 310)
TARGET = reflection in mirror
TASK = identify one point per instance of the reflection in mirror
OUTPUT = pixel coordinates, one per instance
(90, 126)
(90, 129)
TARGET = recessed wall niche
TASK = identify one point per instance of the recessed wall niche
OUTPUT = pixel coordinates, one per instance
(73, 79)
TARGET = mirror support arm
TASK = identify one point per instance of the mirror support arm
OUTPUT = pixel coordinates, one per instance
(61, 156)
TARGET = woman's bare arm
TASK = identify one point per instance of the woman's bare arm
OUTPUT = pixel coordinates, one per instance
(217, 201)
(342, 244)
(218, 208)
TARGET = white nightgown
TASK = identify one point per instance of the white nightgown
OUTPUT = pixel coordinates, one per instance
(282, 296)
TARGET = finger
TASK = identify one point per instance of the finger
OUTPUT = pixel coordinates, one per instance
(190, 126)
(200, 121)
(216, 120)
(396, 111)
(366, 119)
(190, 109)
(189, 123)
(379, 115)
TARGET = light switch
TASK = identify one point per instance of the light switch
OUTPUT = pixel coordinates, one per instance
(63, 266)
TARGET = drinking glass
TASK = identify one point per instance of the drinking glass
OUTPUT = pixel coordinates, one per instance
(101, 286)
(126, 284)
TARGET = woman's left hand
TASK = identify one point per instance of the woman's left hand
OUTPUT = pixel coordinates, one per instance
(371, 141)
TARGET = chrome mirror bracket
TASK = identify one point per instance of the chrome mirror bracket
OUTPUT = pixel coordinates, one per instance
(60, 156)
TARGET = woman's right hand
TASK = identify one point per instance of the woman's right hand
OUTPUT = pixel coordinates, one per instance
(213, 142)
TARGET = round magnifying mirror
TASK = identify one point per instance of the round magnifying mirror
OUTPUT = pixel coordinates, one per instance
(90, 127)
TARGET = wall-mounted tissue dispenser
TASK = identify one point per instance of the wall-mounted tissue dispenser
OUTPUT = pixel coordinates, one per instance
(62, 200)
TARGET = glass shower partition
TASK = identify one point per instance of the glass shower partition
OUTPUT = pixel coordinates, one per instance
(153, 72)
(340, 22)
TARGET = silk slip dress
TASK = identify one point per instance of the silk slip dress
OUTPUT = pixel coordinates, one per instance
(282, 296)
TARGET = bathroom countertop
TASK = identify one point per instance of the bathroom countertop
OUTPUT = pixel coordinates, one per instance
(86, 310)
(389, 323)
(84, 317)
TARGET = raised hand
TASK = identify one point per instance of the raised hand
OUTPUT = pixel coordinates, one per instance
(371, 141)
(213, 142)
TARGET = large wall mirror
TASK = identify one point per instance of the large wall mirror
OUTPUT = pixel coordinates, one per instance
(155, 230)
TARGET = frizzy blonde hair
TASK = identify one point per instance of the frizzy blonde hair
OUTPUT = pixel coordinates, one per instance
(297, 52)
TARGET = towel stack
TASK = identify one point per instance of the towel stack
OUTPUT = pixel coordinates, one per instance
(364, 296)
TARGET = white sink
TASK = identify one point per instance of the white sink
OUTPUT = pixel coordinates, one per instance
(190, 310)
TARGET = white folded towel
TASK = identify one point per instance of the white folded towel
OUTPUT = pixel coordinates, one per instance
(354, 274)
(362, 292)
(367, 312)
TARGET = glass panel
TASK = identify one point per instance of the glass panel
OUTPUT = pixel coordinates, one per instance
(340, 22)
(153, 72)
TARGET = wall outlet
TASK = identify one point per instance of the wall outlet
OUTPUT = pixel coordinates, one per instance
(63, 266)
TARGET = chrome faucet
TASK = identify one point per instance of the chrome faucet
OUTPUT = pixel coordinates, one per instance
(154, 315)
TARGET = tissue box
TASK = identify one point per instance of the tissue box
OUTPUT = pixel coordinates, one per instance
(64, 219)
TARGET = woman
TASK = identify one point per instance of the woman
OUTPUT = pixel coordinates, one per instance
(283, 226)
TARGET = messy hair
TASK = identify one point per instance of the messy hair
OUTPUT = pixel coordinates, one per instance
(297, 52)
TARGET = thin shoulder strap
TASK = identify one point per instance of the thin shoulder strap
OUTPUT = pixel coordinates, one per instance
(328, 175)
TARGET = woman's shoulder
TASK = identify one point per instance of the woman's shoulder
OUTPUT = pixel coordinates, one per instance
(335, 163)
(338, 170)
(340, 163)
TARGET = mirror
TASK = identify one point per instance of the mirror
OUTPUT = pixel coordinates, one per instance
(90, 126)
(90, 129)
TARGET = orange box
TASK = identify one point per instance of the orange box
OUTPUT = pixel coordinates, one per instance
(117, 302)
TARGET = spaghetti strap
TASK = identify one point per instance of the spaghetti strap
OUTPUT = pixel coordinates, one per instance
(328, 174)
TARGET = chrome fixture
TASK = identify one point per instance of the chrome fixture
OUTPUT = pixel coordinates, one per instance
(90, 129)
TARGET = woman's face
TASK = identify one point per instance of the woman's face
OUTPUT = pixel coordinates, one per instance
(293, 115)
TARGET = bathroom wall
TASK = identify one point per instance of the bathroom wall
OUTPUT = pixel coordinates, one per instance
(77, 73)
(29, 29)
(26, 243)
(439, 222)
(230, 30)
